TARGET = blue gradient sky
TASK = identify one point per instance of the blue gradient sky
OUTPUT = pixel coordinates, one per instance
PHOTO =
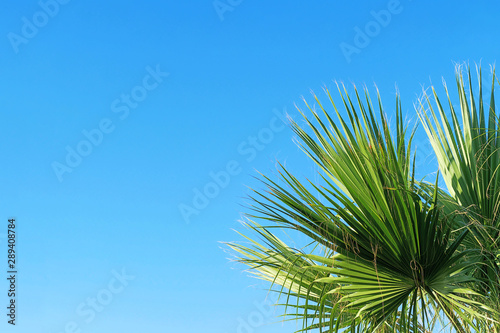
(120, 206)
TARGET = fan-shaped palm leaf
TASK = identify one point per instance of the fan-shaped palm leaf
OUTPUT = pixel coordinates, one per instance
(391, 260)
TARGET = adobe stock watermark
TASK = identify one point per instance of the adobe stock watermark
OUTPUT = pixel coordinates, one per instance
(122, 107)
(219, 180)
(31, 26)
(88, 310)
(259, 317)
(424, 153)
(223, 6)
(363, 36)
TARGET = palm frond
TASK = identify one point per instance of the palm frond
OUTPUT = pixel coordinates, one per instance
(393, 263)
(468, 153)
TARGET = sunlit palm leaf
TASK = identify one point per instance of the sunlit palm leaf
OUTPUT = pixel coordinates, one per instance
(391, 260)
(468, 153)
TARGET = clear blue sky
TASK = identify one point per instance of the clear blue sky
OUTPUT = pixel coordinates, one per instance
(115, 113)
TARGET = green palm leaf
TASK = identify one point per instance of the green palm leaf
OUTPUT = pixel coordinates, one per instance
(394, 257)
(468, 153)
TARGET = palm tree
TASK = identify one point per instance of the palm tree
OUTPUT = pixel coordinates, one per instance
(387, 253)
